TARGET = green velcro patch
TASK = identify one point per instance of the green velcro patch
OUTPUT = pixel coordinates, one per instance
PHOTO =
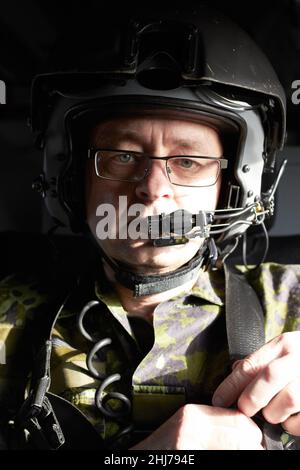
(152, 405)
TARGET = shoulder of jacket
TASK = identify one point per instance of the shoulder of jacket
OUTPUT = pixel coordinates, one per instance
(281, 272)
(20, 296)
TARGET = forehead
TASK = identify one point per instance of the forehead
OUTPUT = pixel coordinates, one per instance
(142, 128)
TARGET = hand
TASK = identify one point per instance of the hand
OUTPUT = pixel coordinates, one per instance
(201, 427)
(267, 380)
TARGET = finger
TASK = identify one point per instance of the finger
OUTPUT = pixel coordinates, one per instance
(292, 425)
(234, 430)
(284, 404)
(270, 381)
(245, 370)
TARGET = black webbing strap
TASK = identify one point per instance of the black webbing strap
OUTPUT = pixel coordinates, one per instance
(244, 316)
(36, 414)
(246, 333)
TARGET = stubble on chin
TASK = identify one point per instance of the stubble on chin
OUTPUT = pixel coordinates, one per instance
(143, 257)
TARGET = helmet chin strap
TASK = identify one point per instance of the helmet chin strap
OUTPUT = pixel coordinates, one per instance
(153, 284)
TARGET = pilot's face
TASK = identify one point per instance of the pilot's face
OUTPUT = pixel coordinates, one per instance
(155, 136)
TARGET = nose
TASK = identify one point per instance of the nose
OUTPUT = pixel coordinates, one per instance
(156, 184)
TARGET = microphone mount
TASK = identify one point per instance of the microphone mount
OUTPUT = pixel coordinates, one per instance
(179, 227)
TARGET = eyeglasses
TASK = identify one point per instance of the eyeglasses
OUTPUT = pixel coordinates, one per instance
(182, 170)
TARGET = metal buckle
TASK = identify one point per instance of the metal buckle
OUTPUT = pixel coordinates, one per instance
(45, 429)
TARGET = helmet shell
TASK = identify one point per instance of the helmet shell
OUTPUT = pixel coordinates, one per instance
(194, 60)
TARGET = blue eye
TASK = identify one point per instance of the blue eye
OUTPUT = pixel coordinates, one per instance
(125, 158)
(186, 163)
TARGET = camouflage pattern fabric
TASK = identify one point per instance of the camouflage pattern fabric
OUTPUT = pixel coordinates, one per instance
(187, 361)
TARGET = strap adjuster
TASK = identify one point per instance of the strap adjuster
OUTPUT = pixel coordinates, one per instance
(45, 429)
(41, 423)
(37, 415)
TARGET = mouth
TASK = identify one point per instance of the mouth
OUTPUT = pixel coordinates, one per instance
(143, 229)
(153, 245)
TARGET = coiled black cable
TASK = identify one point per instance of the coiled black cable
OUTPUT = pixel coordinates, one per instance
(102, 398)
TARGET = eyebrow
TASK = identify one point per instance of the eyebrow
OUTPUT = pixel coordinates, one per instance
(135, 136)
(186, 143)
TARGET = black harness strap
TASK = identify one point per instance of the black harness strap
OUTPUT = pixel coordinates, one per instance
(246, 333)
(244, 316)
(36, 415)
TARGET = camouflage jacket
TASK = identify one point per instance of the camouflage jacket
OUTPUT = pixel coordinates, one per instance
(181, 359)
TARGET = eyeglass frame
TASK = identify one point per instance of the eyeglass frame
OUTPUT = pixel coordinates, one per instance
(92, 153)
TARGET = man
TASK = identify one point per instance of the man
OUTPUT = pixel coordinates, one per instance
(178, 126)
